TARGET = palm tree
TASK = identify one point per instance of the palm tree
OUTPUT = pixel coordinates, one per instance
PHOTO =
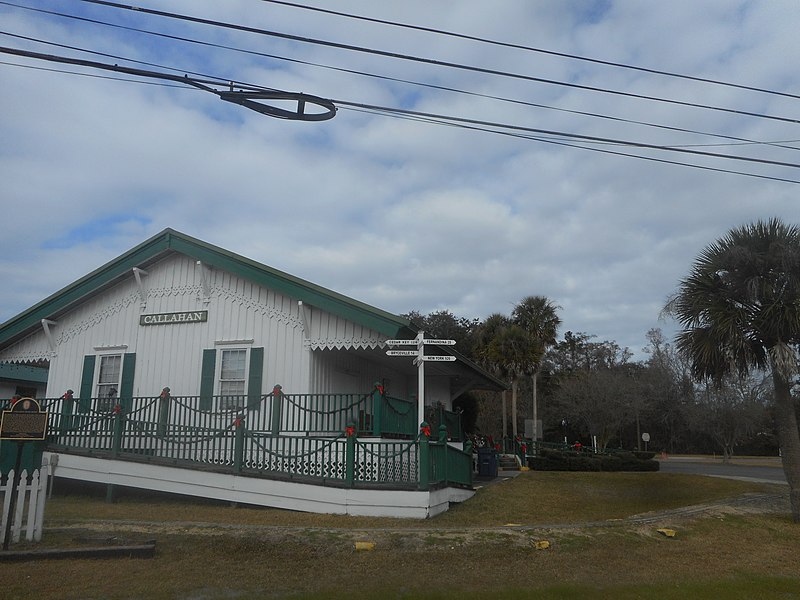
(506, 349)
(740, 310)
(537, 316)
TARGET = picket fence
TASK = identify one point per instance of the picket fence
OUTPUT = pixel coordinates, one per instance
(29, 506)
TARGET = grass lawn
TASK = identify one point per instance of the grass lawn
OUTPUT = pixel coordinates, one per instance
(485, 547)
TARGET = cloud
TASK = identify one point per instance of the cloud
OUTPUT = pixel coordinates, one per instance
(399, 213)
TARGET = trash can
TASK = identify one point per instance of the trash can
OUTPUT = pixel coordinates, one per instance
(487, 462)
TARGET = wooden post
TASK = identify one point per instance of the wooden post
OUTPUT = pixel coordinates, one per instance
(277, 401)
(424, 467)
(238, 444)
(163, 412)
(377, 410)
(350, 455)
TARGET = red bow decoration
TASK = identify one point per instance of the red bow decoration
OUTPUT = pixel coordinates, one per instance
(524, 448)
(117, 409)
(237, 422)
(380, 389)
(425, 430)
(349, 431)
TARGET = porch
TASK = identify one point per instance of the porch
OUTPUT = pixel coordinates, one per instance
(353, 445)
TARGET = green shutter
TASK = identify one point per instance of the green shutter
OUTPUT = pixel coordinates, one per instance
(87, 383)
(254, 379)
(126, 386)
(207, 379)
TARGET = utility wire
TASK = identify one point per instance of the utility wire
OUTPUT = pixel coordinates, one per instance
(576, 146)
(394, 79)
(450, 123)
(531, 48)
(423, 60)
(458, 120)
(575, 136)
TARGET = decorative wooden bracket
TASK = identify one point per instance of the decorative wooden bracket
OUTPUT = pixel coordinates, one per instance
(205, 281)
(305, 316)
(46, 323)
(137, 273)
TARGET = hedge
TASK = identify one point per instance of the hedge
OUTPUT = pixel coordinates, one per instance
(570, 460)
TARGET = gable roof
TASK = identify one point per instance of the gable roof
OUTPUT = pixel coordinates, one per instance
(169, 241)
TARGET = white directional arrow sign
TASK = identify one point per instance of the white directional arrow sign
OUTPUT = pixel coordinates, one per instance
(402, 342)
(440, 342)
(438, 358)
(402, 352)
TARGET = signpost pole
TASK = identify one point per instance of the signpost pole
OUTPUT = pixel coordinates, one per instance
(13, 492)
(420, 377)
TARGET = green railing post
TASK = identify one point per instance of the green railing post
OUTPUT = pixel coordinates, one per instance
(378, 399)
(238, 444)
(119, 424)
(424, 456)
(350, 455)
(277, 401)
(163, 412)
(445, 452)
(67, 408)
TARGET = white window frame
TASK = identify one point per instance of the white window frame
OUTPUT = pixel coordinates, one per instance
(102, 402)
(225, 401)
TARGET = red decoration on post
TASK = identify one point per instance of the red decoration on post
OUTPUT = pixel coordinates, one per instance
(165, 393)
(237, 422)
(380, 389)
(350, 431)
(117, 409)
(425, 430)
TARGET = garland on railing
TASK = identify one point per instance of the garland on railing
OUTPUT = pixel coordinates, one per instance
(326, 412)
(409, 406)
(409, 446)
(294, 456)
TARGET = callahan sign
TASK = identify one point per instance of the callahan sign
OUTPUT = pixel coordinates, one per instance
(193, 316)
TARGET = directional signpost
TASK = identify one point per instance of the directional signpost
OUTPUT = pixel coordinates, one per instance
(420, 358)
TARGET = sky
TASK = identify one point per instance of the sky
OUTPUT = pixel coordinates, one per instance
(406, 214)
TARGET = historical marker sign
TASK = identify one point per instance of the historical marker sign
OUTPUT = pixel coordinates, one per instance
(25, 421)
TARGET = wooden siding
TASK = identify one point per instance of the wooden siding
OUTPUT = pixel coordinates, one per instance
(338, 371)
(240, 314)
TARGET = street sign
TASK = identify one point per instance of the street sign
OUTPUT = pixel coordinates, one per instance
(438, 358)
(402, 342)
(402, 352)
(440, 342)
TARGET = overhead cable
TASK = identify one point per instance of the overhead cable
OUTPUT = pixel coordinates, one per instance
(423, 60)
(483, 40)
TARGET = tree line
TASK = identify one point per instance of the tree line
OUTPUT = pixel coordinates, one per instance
(727, 384)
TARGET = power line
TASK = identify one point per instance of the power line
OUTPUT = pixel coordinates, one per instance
(426, 118)
(228, 96)
(243, 97)
(387, 78)
(429, 61)
(575, 136)
(531, 48)
(572, 145)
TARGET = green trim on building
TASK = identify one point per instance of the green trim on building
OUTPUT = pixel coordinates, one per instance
(171, 240)
(255, 377)
(126, 385)
(25, 373)
(87, 383)
(207, 373)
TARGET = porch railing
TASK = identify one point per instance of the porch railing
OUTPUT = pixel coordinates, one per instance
(264, 438)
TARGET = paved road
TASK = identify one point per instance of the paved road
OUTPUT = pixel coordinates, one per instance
(734, 471)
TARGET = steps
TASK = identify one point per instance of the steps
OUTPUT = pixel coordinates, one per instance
(507, 462)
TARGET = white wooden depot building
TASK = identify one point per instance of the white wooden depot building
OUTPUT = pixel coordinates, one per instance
(185, 367)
